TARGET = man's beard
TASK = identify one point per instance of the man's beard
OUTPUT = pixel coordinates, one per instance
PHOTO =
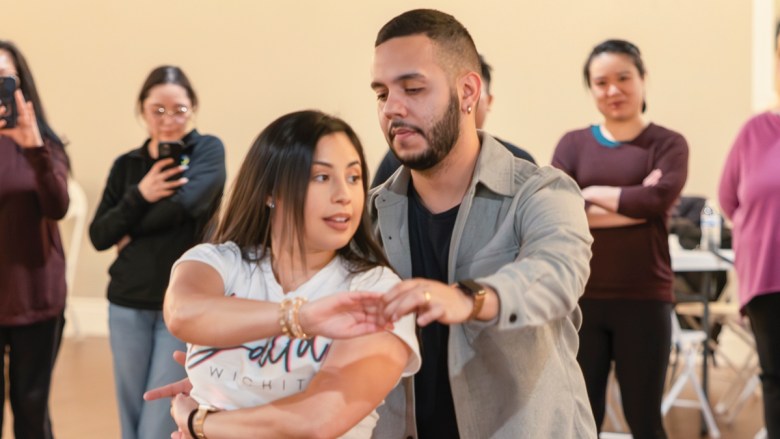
(440, 139)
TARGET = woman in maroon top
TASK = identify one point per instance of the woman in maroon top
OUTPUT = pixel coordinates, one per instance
(630, 172)
(33, 196)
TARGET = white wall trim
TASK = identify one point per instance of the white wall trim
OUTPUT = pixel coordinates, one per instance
(762, 54)
(86, 317)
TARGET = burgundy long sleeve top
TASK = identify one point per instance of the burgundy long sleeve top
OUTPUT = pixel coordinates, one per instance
(33, 196)
(630, 262)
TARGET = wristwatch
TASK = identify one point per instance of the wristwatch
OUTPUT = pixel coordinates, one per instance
(475, 290)
(199, 419)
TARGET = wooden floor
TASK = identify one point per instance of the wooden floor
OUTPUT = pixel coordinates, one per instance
(83, 405)
(82, 402)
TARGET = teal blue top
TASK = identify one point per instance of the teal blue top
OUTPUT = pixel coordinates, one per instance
(603, 141)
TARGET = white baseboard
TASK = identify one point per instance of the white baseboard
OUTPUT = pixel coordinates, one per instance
(86, 316)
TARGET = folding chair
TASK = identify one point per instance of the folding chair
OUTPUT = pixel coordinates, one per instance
(77, 217)
(746, 370)
(689, 343)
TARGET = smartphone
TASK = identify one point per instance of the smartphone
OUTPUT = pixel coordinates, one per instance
(7, 89)
(172, 150)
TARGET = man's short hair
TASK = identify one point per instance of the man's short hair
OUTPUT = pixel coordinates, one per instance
(777, 33)
(458, 48)
(487, 70)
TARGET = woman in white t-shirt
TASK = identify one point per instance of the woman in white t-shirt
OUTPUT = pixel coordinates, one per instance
(280, 339)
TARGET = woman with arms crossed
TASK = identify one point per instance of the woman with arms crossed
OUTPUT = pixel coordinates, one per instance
(631, 172)
(261, 304)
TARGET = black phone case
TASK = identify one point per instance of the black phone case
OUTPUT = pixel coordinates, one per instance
(7, 89)
(170, 149)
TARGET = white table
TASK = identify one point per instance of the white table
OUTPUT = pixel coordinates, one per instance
(700, 260)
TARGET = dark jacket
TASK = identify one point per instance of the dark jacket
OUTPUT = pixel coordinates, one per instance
(33, 196)
(160, 232)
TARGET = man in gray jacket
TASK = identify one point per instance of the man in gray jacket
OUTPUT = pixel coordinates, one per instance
(494, 249)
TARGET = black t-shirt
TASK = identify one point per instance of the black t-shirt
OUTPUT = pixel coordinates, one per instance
(429, 237)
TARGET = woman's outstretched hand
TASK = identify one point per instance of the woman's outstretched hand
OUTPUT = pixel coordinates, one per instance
(344, 315)
(170, 390)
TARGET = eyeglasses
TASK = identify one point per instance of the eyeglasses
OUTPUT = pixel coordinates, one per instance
(179, 113)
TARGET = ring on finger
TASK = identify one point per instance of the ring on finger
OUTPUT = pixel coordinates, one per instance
(427, 296)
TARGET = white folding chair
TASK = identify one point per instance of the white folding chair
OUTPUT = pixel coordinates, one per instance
(744, 384)
(746, 369)
(77, 216)
(689, 343)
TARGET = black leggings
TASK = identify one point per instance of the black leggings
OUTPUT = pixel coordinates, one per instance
(764, 312)
(636, 335)
(32, 350)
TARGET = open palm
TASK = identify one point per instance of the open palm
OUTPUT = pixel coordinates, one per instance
(343, 315)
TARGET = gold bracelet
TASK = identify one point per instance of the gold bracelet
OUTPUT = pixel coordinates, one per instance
(289, 318)
(284, 322)
(295, 319)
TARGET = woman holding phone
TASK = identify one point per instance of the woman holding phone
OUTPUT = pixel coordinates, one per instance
(155, 206)
(33, 196)
(631, 172)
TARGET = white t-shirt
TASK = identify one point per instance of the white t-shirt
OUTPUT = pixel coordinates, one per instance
(262, 371)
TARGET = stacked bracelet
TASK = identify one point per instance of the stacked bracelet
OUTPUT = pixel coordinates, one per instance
(289, 318)
(284, 308)
(295, 320)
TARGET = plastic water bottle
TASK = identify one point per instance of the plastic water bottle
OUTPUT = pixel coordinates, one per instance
(710, 228)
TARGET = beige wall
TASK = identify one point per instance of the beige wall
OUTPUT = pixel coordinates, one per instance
(252, 61)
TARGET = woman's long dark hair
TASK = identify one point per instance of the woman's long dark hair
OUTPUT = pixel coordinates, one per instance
(30, 91)
(278, 167)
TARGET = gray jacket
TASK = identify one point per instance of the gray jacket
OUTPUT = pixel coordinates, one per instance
(521, 230)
